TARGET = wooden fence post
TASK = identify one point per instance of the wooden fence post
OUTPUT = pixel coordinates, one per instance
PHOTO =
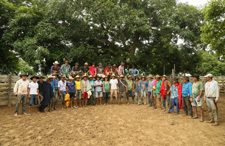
(9, 90)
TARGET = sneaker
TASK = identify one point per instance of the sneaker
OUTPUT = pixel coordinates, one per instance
(211, 121)
(25, 113)
(15, 114)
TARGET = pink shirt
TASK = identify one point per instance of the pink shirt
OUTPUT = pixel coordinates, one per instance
(121, 69)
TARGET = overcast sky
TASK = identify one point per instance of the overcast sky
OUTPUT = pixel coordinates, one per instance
(195, 2)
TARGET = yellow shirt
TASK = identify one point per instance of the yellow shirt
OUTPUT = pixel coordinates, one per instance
(78, 85)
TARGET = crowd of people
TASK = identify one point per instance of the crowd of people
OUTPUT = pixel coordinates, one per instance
(90, 85)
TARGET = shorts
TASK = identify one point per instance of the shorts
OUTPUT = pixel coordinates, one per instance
(79, 94)
(195, 102)
(33, 99)
(84, 95)
(72, 95)
(157, 95)
(98, 94)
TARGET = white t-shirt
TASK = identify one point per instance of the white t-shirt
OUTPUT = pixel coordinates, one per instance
(113, 83)
(33, 87)
(62, 86)
(21, 87)
(98, 89)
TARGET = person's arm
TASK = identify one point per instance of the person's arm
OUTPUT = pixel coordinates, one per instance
(217, 91)
(168, 90)
(59, 70)
(201, 91)
(15, 89)
(28, 92)
(190, 91)
(51, 69)
(103, 88)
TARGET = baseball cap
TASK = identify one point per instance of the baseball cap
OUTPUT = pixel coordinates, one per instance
(208, 75)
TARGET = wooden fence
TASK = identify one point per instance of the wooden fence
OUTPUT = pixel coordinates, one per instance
(7, 83)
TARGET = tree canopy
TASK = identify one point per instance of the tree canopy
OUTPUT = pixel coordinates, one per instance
(146, 33)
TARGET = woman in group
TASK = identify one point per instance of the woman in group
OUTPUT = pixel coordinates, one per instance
(114, 69)
(106, 89)
(93, 70)
(98, 90)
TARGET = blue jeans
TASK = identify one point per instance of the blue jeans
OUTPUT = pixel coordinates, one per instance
(21, 99)
(63, 94)
(149, 98)
(174, 101)
(130, 92)
(106, 97)
(136, 96)
(33, 99)
(143, 97)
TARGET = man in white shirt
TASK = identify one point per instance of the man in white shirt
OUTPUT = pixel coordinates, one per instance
(33, 92)
(21, 90)
(211, 98)
(62, 90)
(113, 87)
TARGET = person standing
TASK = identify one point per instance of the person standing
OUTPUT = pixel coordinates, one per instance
(106, 89)
(76, 70)
(130, 89)
(78, 86)
(176, 91)
(47, 94)
(165, 90)
(21, 91)
(40, 87)
(62, 90)
(150, 85)
(71, 90)
(197, 89)
(134, 71)
(98, 90)
(66, 69)
(122, 84)
(211, 98)
(113, 88)
(107, 70)
(92, 98)
(85, 87)
(156, 90)
(100, 70)
(93, 70)
(56, 92)
(51, 103)
(55, 68)
(33, 93)
(136, 88)
(121, 69)
(143, 87)
(85, 69)
(186, 96)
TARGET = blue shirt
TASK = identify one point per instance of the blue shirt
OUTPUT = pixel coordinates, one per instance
(92, 85)
(52, 84)
(134, 71)
(71, 86)
(187, 89)
(174, 91)
(143, 86)
(55, 81)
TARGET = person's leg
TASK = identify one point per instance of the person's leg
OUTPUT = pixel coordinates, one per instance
(107, 97)
(159, 99)
(116, 94)
(128, 94)
(184, 102)
(149, 98)
(24, 97)
(209, 104)
(18, 100)
(214, 111)
(56, 100)
(172, 106)
(111, 96)
(164, 102)
(145, 98)
(136, 97)
(132, 95)
(101, 95)
(97, 96)
(35, 102)
(30, 104)
(93, 97)
(155, 100)
(177, 105)
(168, 100)
(190, 110)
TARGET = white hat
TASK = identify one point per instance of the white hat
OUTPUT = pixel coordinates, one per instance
(56, 62)
(113, 75)
(150, 76)
(70, 78)
(208, 75)
(121, 76)
(77, 76)
(50, 76)
(85, 63)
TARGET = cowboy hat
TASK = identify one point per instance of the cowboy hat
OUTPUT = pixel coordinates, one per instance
(143, 77)
(90, 76)
(114, 64)
(113, 75)
(34, 77)
(70, 78)
(24, 74)
(85, 63)
(157, 76)
(62, 76)
(67, 61)
(130, 76)
(85, 75)
(150, 76)
(77, 76)
(121, 76)
(41, 77)
(56, 62)
(50, 77)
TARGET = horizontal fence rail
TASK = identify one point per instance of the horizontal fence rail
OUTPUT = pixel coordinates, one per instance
(7, 83)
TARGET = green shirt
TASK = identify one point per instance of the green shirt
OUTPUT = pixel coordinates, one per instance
(196, 89)
(126, 71)
(106, 86)
(157, 87)
(129, 84)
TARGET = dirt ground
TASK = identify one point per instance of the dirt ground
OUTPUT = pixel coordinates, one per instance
(110, 125)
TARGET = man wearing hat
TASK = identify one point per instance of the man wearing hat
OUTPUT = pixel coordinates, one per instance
(98, 90)
(165, 90)
(78, 87)
(40, 87)
(211, 97)
(156, 90)
(55, 68)
(85, 69)
(114, 69)
(136, 88)
(113, 88)
(150, 85)
(55, 83)
(107, 70)
(33, 92)
(100, 70)
(76, 70)
(122, 84)
(71, 90)
(47, 94)
(85, 87)
(21, 91)
(130, 89)
(186, 96)
(92, 98)
(197, 90)
(66, 69)
(143, 87)
(62, 90)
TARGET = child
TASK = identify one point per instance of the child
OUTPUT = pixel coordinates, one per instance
(143, 87)
(106, 88)
(85, 87)
(78, 87)
(92, 98)
(98, 90)
(33, 93)
(130, 88)
(136, 88)
(71, 89)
